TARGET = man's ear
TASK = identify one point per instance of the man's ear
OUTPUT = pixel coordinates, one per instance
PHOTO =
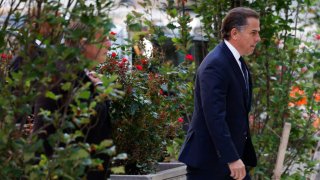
(234, 33)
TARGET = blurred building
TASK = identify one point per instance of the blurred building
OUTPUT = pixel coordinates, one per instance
(158, 16)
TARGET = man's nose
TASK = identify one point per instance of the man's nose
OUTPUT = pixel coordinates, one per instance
(258, 38)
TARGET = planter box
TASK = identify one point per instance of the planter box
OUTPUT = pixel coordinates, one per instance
(167, 171)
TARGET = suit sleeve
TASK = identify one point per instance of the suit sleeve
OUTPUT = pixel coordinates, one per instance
(214, 89)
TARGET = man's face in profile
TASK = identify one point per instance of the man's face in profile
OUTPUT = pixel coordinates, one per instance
(248, 36)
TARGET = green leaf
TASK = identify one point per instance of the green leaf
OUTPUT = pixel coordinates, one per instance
(84, 94)
(171, 26)
(106, 143)
(175, 40)
(51, 95)
(66, 86)
(27, 156)
(118, 170)
(135, 27)
(173, 12)
(79, 154)
(27, 83)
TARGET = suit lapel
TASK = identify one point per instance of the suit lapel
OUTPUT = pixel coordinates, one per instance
(232, 61)
(250, 90)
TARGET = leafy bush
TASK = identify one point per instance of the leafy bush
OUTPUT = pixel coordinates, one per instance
(23, 156)
(146, 118)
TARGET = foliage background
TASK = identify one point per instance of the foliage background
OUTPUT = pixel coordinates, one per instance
(285, 69)
(22, 155)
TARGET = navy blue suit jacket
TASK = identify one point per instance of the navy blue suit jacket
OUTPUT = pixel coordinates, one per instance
(219, 130)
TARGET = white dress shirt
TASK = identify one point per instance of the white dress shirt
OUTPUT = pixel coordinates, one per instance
(235, 53)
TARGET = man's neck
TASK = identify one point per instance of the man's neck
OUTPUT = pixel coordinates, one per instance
(233, 49)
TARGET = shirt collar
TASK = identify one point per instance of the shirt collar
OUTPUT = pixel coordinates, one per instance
(233, 50)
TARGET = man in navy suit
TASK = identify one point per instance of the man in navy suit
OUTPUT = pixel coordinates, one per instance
(218, 144)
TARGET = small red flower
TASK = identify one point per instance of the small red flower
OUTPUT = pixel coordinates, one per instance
(317, 36)
(144, 61)
(114, 62)
(189, 57)
(121, 64)
(113, 54)
(139, 67)
(180, 120)
(150, 76)
(304, 69)
(161, 92)
(4, 56)
(113, 33)
(124, 60)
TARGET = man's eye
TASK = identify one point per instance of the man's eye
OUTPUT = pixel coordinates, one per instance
(254, 33)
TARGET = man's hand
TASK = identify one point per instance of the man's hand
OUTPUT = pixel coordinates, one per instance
(94, 77)
(238, 170)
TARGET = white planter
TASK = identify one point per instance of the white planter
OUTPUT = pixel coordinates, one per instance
(167, 171)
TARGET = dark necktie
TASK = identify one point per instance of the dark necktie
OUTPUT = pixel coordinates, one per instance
(245, 74)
